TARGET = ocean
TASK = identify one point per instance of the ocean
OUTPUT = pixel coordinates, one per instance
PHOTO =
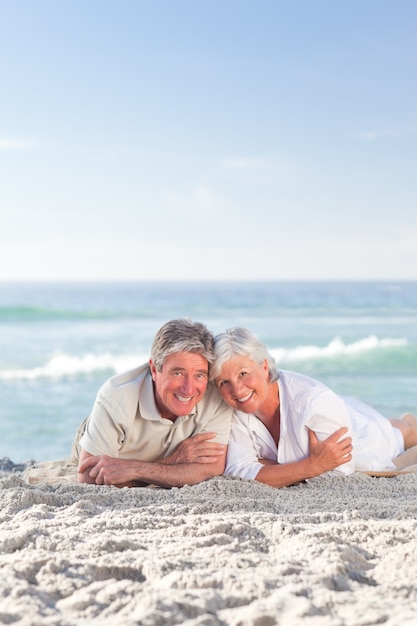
(60, 341)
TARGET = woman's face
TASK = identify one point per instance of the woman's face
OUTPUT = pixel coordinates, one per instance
(243, 384)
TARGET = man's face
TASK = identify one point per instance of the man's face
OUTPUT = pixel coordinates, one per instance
(180, 384)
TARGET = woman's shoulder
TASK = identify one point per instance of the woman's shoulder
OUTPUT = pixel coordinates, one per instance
(246, 421)
(300, 382)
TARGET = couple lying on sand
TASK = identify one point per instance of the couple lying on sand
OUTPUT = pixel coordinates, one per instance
(203, 406)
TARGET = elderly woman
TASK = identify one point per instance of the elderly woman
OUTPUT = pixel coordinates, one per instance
(288, 427)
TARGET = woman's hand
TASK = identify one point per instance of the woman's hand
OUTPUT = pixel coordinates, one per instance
(331, 452)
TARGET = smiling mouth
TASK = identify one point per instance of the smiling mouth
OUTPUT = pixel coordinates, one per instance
(183, 399)
(245, 398)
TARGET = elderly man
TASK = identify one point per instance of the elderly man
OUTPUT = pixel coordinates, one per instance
(162, 423)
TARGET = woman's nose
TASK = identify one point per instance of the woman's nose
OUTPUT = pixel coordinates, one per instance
(237, 387)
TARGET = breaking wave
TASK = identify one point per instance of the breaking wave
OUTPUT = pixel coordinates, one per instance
(383, 352)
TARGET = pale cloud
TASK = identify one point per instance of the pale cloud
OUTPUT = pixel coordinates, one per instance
(244, 164)
(278, 169)
(199, 201)
(206, 202)
(108, 153)
(8, 143)
(393, 133)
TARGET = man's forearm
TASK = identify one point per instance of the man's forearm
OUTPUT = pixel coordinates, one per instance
(105, 470)
(176, 475)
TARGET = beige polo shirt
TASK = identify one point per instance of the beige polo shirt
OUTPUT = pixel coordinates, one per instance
(125, 422)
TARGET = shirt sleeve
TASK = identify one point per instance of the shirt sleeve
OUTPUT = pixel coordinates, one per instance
(216, 417)
(242, 459)
(102, 434)
(330, 415)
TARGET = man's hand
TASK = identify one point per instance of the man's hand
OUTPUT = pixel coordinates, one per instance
(194, 460)
(328, 454)
(196, 449)
(106, 470)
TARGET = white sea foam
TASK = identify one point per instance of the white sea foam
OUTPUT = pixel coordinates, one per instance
(65, 365)
(336, 348)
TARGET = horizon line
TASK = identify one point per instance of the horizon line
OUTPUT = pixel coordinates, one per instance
(207, 280)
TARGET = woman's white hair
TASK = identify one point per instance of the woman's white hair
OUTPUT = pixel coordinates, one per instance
(240, 341)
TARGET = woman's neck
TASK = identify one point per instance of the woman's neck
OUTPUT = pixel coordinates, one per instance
(269, 412)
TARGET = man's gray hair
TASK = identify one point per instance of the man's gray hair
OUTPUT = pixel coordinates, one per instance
(181, 335)
(240, 341)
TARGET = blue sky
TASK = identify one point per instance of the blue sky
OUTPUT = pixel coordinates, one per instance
(211, 140)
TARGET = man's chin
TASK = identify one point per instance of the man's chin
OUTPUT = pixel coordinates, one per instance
(183, 408)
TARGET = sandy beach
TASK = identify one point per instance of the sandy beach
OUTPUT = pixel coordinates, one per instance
(330, 552)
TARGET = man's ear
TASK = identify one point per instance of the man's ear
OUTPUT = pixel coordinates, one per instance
(153, 370)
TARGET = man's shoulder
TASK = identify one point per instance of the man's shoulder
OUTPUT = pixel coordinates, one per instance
(211, 398)
(131, 376)
(122, 382)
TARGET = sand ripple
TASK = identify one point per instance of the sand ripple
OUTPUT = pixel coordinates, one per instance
(333, 552)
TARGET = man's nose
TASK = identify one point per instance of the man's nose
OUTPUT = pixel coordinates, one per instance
(187, 385)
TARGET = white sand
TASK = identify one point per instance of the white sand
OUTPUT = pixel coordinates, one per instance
(331, 552)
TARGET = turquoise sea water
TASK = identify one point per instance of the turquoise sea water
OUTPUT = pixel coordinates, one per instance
(60, 341)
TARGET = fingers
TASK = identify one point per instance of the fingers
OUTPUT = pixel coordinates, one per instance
(345, 448)
(208, 453)
(331, 438)
(337, 434)
(90, 461)
(92, 467)
(333, 451)
(203, 436)
(200, 445)
(211, 448)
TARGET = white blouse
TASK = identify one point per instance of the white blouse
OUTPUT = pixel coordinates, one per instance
(307, 403)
